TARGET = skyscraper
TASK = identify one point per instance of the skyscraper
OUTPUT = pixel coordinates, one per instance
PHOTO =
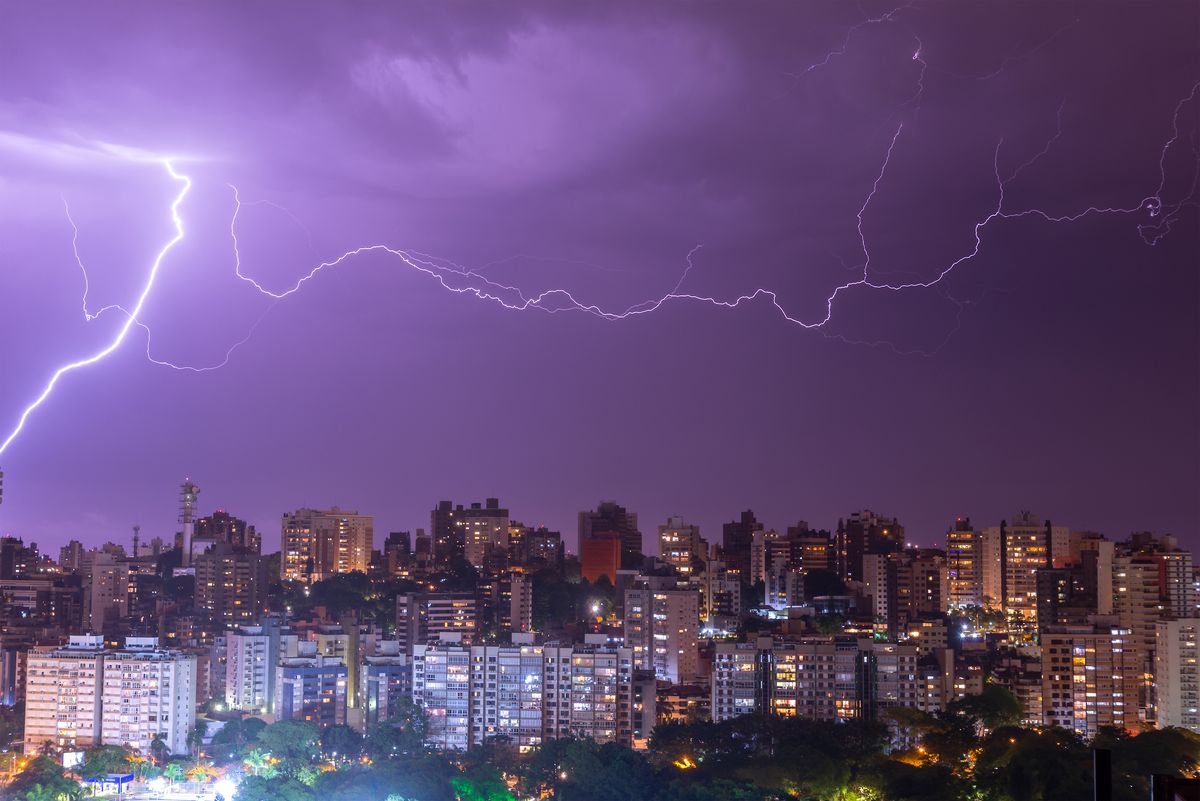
(317, 544)
(736, 537)
(862, 533)
(964, 568)
(610, 517)
(680, 545)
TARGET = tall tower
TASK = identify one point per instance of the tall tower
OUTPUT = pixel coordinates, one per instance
(187, 506)
(137, 530)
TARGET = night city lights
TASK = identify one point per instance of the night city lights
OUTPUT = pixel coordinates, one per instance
(816, 384)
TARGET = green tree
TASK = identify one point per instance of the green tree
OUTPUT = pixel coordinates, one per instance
(291, 740)
(342, 741)
(259, 763)
(195, 737)
(232, 739)
(105, 759)
(158, 748)
(174, 772)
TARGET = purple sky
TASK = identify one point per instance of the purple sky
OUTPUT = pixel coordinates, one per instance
(591, 147)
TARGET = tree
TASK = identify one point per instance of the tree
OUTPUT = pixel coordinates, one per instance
(994, 707)
(174, 772)
(195, 737)
(105, 759)
(341, 741)
(259, 763)
(403, 733)
(158, 748)
(233, 738)
(291, 740)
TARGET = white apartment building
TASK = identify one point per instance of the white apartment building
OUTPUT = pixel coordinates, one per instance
(82, 695)
(148, 691)
(1177, 673)
(661, 626)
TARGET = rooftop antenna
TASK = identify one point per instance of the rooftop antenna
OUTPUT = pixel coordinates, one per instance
(187, 504)
(136, 531)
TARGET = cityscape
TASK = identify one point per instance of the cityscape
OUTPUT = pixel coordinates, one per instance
(202, 659)
(795, 400)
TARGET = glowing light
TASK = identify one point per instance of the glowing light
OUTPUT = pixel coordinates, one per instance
(225, 788)
(130, 319)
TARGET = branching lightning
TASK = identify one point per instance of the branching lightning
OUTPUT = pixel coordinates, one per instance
(130, 318)
(462, 280)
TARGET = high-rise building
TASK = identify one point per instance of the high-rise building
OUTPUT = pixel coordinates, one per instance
(148, 691)
(736, 538)
(829, 678)
(1177, 673)
(589, 691)
(680, 546)
(397, 554)
(386, 683)
(105, 590)
(83, 695)
(964, 565)
(423, 617)
(222, 527)
(1090, 677)
(311, 687)
(317, 544)
(475, 533)
(251, 654)
(62, 695)
(862, 533)
(441, 686)
(610, 517)
(1026, 546)
(70, 557)
(507, 696)
(600, 555)
(18, 560)
(661, 628)
(229, 590)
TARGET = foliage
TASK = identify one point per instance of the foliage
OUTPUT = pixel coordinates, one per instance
(292, 741)
(105, 759)
(403, 733)
(342, 741)
(42, 780)
(233, 738)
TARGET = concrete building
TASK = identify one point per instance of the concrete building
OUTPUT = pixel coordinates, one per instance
(507, 696)
(229, 589)
(964, 568)
(1091, 677)
(600, 555)
(589, 691)
(661, 628)
(862, 533)
(386, 683)
(311, 687)
(1026, 546)
(441, 685)
(105, 590)
(62, 694)
(424, 616)
(1177, 673)
(838, 678)
(82, 695)
(317, 544)
(680, 545)
(475, 533)
(610, 517)
(148, 690)
(251, 656)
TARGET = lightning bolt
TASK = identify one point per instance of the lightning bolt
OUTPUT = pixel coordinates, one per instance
(458, 279)
(130, 318)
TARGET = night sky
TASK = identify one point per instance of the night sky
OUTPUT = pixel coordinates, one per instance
(591, 147)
